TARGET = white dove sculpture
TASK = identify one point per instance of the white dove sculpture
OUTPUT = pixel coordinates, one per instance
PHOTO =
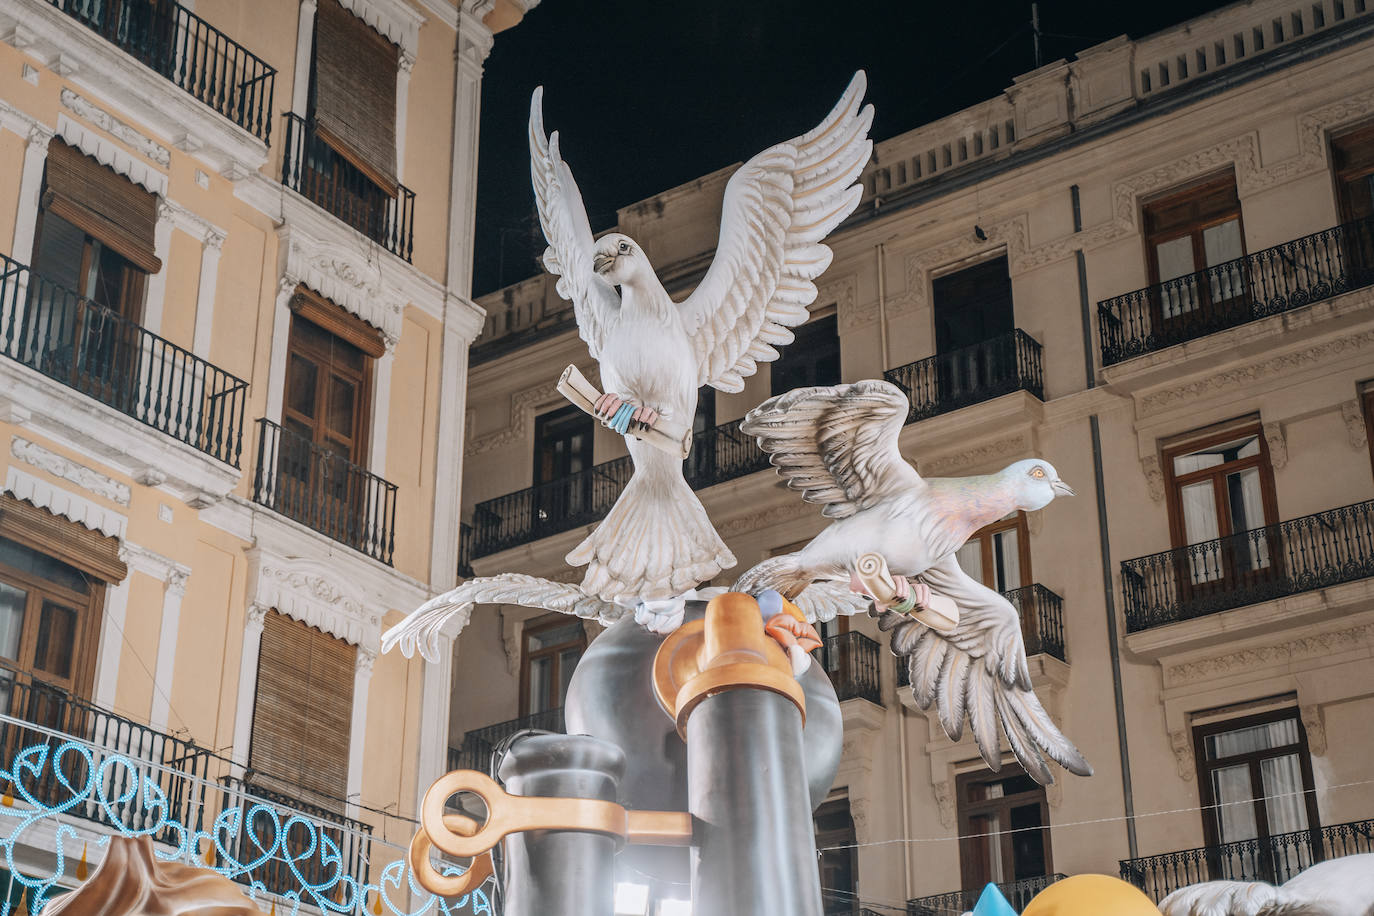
(1336, 887)
(838, 445)
(655, 353)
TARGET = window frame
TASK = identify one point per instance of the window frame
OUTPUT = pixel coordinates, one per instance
(359, 447)
(1191, 194)
(1174, 483)
(533, 628)
(967, 810)
(798, 350)
(86, 641)
(1343, 174)
(1367, 406)
(1019, 524)
(1210, 827)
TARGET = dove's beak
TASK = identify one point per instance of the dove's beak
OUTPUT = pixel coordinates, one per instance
(602, 262)
(1061, 488)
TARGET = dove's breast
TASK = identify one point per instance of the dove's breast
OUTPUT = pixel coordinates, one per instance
(904, 538)
(652, 363)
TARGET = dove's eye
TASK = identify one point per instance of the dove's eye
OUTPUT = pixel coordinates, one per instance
(1038, 473)
(624, 246)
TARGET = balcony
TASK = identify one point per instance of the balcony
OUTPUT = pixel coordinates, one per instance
(195, 56)
(850, 660)
(312, 168)
(1042, 624)
(310, 484)
(465, 532)
(481, 744)
(1018, 894)
(120, 364)
(718, 454)
(970, 375)
(1273, 859)
(1265, 283)
(1299, 555)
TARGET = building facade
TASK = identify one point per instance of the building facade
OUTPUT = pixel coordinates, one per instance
(1151, 266)
(235, 249)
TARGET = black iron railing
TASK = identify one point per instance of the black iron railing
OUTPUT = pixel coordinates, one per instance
(316, 171)
(309, 483)
(850, 660)
(465, 533)
(970, 375)
(180, 46)
(1315, 551)
(1273, 859)
(89, 348)
(1018, 894)
(352, 838)
(480, 744)
(1264, 283)
(718, 454)
(1042, 619)
(179, 768)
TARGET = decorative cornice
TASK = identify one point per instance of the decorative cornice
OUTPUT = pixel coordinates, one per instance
(1260, 656)
(313, 593)
(392, 18)
(353, 283)
(24, 124)
(193, 224)
(87, 110)
(105, 152)
(61, 502)
(87, 479)
(1247, 375)
(522, 406)
(152, 563)
(1000, 448)
(1353, 416)
(757, 521)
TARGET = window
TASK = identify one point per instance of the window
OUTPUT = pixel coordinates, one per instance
(562, 451)
(702, 461)
(995, 812)
(1191, 239)
(1221, 498)
(551, 648)
(999, 555)
(1257, 773)
(972, 305)
(1367, 400)
(839, 867)
(1352, 155)
(812, 359)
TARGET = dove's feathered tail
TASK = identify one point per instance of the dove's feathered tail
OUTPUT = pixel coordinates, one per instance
(785, 574)
(656, 542)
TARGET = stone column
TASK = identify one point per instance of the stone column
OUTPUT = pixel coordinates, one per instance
(381, 407)
(155, 295)
(167, 647)
(210, 250)
(305, 44)
(357, 733)
(248, 681)
(30, 189)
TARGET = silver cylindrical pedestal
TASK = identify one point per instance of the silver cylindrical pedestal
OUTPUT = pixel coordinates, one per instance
(755, 846)
(561, 871)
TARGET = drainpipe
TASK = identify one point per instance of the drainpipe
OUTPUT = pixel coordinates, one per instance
(882, 303)
(1108, 591)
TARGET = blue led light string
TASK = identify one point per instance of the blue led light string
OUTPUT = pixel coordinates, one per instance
(124, 793)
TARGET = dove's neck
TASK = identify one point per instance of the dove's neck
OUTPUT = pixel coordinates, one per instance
(974, 502)
(646, 298)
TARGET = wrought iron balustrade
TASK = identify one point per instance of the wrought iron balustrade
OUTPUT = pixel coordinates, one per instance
(480, 744)
(260, 828)
(84, 346)
(1274, 859)
(316, 171)
(465, 533)
(850, 660)
(970, 375)
(307, 482)
(1299, 555)
(1042, 624)
(1264, 283)
(1018, 894)
(178, 45)
(718, 454)
(178, 767)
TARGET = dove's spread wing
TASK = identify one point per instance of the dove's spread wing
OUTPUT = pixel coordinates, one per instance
(1230, 898)
(825, 600)
(979, 671)
(421, 627)
(777, 208)
(564, 219)
(837, 445)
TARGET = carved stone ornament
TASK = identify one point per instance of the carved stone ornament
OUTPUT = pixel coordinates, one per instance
(1154, 477)
(1355, 429)
(1263, 656)
(58, 466)
(1005, 447)
(944, 799)
(1316, 729)
(89, 111)
(522, 408)
(1278, 446)
(1181, 742)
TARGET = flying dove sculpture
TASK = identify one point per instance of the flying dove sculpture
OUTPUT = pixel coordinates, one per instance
(654, 353)
(838, 446)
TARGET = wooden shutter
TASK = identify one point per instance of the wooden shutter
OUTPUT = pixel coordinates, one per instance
(318, 310)
(355, 92)
(107, 206)
(87, 550)
(304, 710)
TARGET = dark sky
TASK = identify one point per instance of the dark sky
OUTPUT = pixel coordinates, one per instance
(654, 93)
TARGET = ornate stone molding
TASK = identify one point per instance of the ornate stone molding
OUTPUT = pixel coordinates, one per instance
(314, 594)
(61, 502)
(944, 800)
(1316, 729)
(256, 617)
(522, 407)
(363, 661)
(1009, 234)
(1353, 416)
(107, 153)
(88, 111)
(757, 521)
(1260, 656)
(1181, 742)
(1278, 446)
(194, 225)
(1247, 375)
(1154, 477)
(392, 18)
(87, 479)
(152, 563)
(1000, 448)
(348, 279)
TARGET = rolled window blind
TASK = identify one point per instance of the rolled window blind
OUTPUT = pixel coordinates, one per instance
(304, 710)
(106, 205)
(355, 92)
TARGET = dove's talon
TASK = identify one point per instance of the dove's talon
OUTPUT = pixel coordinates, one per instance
(606, 407)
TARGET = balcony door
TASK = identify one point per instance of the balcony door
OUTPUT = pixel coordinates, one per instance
(1221, 502)
(998, 555)
(1193, 241)
(813, 358)
(971, 306)
(550, 650)
(998, 817)
(1255, 781)
(562, 464)
(837, 856)
(1352, 156)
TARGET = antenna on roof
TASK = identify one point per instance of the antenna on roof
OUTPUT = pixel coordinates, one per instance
(1035, 33)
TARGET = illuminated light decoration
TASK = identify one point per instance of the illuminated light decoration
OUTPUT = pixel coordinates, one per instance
(124, 791)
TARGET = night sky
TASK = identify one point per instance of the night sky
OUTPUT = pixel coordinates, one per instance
(651, 94)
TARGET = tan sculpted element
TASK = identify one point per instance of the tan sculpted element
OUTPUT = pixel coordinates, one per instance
(130, 881)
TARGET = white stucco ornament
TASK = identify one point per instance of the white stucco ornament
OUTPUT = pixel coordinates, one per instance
(654, 353)
(1336, 887)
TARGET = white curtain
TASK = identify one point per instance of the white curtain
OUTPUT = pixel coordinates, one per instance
(1175, 260)
(1221, 244)
(1006, 560)
(1234, 798)
(1285, 805)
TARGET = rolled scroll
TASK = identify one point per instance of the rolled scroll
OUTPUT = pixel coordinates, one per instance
(665, 435)
(940, 613)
